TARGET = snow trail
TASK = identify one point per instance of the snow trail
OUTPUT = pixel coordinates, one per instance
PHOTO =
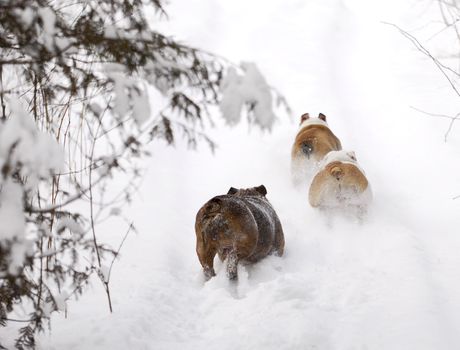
(389, 283)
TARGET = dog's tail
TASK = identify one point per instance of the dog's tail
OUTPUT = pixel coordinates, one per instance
(337, 173)
(307, 148)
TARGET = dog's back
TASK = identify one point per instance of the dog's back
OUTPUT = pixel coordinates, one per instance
(241, 225)
(313, 141)
(340, 183)
(226, 218)
(267, 223)
(221, 218)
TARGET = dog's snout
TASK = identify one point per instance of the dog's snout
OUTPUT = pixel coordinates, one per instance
(337, 173)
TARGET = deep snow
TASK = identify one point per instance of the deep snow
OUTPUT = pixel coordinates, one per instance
(392, 282)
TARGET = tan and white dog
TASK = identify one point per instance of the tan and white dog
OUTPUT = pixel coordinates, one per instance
(313, 141)
(340, 184)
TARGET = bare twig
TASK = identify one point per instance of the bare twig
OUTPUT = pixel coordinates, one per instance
(71, 199)
(442, 68)
(2, 94)
(451, 123)
(118, 250)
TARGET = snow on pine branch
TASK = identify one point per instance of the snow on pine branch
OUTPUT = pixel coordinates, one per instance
(130, 94)
(13, 228)
(30, 155)
(24, 148)
(250, 89)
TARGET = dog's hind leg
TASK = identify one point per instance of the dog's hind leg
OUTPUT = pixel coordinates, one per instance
(278, 244)
(232, 265)
(361, 212)
(206, 256)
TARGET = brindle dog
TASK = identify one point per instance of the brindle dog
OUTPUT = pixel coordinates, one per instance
(240, 226)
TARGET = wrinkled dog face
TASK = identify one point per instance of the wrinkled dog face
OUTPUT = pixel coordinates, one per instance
(258, 191)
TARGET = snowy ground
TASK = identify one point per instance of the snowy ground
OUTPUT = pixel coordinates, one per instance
(390, 283)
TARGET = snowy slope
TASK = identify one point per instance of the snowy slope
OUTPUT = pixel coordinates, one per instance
(392, 282)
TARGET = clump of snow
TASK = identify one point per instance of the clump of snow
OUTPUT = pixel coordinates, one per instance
(110, 31)
(128, 95)
(121, 103)
(26, 16)
(141, 105)
(159, 69)
(107, 162)
(49, 27)
(47, 308)
(65, 43)
(96, 108)
(68, 223)
(251, 89)
(33, 155)
(13, 224)
(47, 32)
(11, 211)
(232, 101)
(60, 300)
(24, 147)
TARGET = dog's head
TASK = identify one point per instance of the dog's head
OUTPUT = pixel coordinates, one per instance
(259, 191)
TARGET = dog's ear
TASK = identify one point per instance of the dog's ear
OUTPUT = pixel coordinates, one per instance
(232, 190)
(304, 117)
(261, 189)
(352, 155)
(322, 116)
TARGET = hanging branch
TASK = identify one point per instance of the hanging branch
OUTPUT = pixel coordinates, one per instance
(445, 70)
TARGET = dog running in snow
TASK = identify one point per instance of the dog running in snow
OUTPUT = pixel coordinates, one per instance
(312, 142)
(340, 184)
(240, 226)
